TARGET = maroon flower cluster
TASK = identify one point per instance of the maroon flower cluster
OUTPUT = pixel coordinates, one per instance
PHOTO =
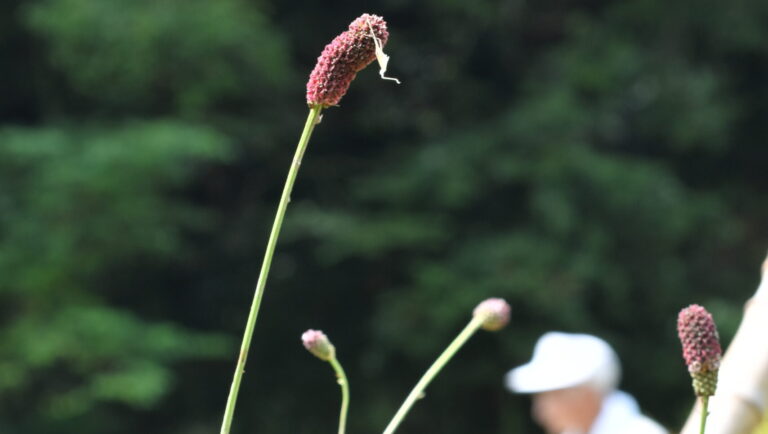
(701, 347)
(343, 58)
(495, 313)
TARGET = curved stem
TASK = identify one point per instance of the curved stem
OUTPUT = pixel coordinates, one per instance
(704, 413)
(229, 411)
(433, 370)
(344, 383)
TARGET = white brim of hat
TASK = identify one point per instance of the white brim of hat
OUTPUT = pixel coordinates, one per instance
(532, 378)
(563, 360)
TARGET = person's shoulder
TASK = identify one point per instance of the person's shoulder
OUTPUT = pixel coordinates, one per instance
(645, 425)
(621, 415)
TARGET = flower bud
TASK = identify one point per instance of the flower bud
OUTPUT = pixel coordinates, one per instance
(701, 348)
(343, 58)
(495, 313)
(317, 343)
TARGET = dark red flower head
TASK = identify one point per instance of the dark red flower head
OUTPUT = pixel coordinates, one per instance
(343, 58)
(701, 347)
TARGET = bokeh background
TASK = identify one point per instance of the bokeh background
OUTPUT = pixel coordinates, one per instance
(599, 164)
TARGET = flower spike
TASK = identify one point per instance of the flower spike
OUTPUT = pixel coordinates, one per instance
(344, 57)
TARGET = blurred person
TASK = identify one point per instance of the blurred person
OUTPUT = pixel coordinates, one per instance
(573, 379)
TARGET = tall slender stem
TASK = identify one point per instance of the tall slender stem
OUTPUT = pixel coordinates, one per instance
(433, 370)
(342, 379)
(704, 405)
(229, 411)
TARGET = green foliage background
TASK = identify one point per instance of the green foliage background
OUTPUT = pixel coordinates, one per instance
(599, 164)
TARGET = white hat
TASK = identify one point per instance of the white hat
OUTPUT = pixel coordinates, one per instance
(562, 360)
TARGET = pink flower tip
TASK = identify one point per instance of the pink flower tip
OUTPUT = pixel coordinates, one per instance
(343, 58)
(495, 313)
(701, 348)
(317, 343)
(699, 338)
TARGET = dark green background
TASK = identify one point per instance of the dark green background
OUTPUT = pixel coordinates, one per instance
(599, 164)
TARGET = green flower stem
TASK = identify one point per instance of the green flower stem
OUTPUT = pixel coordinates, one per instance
(704, 413)
(344, 383)
(229, 411)
(433, 370)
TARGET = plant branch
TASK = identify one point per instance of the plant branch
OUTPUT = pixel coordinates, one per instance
(704, 413)
(433, 370)
(229, 411)
(344, 383)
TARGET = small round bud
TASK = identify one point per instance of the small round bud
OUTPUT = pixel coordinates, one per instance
(495, 313)
(701, 348)
(317, 343)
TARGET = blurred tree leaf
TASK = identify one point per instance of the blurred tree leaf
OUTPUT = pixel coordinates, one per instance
(188, 56)
(76, 203)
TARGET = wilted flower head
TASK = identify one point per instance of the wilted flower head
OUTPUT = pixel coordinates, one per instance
(318, 344)
(701, 347)
(343, 58)
(495, 313)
